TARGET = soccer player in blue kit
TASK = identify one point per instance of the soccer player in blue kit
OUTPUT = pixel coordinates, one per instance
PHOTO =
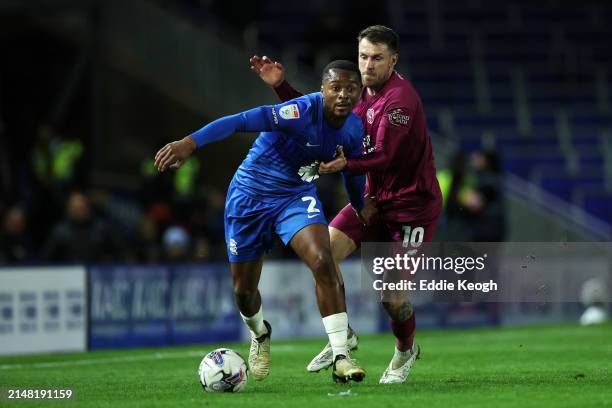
(272, 192)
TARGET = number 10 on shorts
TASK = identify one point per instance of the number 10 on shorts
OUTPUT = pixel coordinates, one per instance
(413, 236)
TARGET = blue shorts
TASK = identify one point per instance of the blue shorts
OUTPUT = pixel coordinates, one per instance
(250, 222)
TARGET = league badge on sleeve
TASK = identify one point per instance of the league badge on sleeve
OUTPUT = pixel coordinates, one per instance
(290, 112)
(398, 117)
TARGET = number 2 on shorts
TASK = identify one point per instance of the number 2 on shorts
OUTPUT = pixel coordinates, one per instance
(312, 210)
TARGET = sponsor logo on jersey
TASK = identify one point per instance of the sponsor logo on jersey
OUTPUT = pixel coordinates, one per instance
(274, 116)
(370, 116)
(398, 117)
(290, 112)
(366, 141)
(367, 149)
(233, 247)
(310, 172)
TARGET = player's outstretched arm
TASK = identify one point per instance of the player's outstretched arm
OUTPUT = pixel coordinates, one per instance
(394, 129)
(263, 118)
(174, 154)
(273, 74)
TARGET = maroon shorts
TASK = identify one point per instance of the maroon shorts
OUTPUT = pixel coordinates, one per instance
(381, 230)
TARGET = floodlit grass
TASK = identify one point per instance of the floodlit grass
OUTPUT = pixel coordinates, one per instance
(537, 366)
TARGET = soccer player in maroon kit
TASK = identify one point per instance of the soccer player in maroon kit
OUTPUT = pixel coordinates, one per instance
(403, 198)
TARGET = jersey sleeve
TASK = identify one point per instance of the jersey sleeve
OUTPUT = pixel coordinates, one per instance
(395, 126)
(355, 188)
(286, 92)
(290, 116)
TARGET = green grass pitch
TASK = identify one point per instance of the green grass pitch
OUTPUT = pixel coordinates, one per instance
(539, 366)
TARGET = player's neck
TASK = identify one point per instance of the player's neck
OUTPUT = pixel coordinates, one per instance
(373, 90)
(334, 121)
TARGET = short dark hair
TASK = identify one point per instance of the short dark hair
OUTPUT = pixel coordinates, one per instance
(380, 34)
(340, 64)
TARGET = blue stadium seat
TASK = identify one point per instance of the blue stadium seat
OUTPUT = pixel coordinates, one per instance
(599, 205)
(523, 164)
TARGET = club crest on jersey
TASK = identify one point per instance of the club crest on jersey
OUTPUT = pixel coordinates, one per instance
(290, 112)
(233, 247)
(370, 115)
(397, 117)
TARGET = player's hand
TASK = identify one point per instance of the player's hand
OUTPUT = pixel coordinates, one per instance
(271, 72)
(334, 166)
(174, 154)
(369, 210)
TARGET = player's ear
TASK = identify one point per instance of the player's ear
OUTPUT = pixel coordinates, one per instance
(394, 59)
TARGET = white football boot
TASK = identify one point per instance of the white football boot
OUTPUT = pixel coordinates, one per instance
(398, 369)
(346, 369)
(259, 355)
(325, 358)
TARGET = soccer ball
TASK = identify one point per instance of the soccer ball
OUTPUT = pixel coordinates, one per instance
(223, 370)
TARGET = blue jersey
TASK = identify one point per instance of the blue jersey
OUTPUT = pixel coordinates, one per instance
(285, 159)
(272, 190)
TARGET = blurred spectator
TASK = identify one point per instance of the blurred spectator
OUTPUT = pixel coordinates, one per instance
(58, 161)
(177, 244)
(454, 182)
(202, 249)
(148, 249)
(81, 236)
(15, 245)
(473, 199)
(485, 201)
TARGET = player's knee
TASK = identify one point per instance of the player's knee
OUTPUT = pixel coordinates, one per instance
(398, 309)
(243, 293)
(324, 269)
(391, 305)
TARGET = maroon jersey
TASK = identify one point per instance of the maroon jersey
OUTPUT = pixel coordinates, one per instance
(398, 156)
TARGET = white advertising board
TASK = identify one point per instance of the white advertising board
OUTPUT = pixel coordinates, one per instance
(43, 310)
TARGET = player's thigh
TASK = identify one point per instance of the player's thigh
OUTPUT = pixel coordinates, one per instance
(246, 275)
(249, 225)
(297, 213)
(302, 225)
(347, 232)
(341, 244)
(311, 244)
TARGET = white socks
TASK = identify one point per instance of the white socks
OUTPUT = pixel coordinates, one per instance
(255, 323)
(400, 358)
(336, 327)
(402, 354)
